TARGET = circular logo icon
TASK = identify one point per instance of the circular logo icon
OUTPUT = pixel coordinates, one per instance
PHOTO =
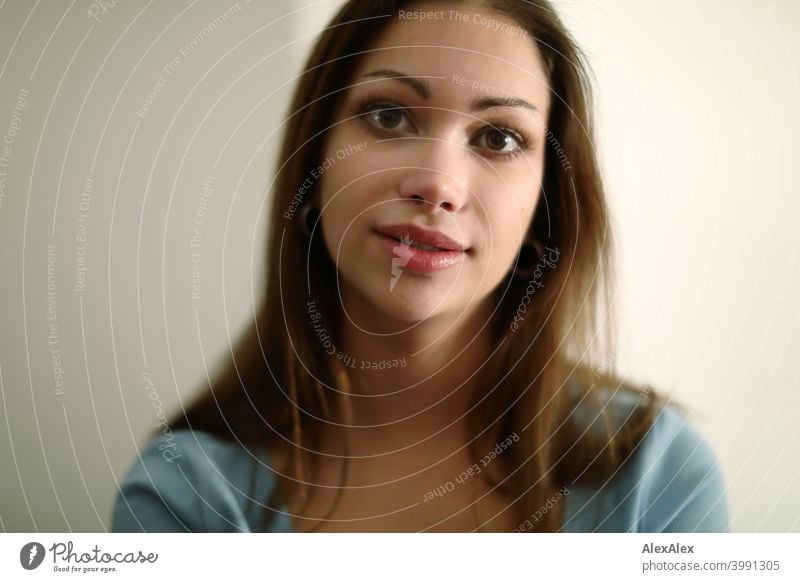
(31, 555)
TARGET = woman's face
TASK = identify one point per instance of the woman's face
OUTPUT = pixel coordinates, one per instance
(430, 181)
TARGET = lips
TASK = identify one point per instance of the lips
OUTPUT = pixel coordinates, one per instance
(419, 236)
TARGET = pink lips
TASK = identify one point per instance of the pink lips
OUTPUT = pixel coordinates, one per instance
(399, 240)
(431, 238)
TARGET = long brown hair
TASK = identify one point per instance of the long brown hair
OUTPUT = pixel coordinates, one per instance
(280, 383)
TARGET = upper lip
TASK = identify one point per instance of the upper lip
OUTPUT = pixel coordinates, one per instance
(431, 238)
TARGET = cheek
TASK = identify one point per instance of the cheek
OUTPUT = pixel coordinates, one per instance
(506, 217)
(346, 197)
(506, 245)
(354, 184)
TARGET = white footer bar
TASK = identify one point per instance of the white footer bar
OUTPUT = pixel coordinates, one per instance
(401, 557)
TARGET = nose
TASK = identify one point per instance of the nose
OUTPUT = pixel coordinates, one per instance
(437, 181)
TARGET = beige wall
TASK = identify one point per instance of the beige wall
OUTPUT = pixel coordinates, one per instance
(697, 135)
(697, 131)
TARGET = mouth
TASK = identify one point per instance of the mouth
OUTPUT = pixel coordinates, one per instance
(422, 257)
(417, 245)
(421, 238)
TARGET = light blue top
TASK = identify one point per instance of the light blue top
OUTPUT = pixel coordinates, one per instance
(194, 481)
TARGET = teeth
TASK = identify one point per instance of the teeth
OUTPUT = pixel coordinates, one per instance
(424, 247)
(417, 245)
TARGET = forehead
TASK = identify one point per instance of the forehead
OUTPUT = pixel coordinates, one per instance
(460, 51)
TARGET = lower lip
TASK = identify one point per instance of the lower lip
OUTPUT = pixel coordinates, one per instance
(419, 260)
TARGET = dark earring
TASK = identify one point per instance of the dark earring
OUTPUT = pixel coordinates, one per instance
(529, 256)
(308, 216)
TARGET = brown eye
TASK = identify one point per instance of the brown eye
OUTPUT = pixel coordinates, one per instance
(497, 140)
(387, 118)
(505, 142)
(383, 115)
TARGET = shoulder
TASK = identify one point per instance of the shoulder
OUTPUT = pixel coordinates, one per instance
(187, 481)
(681, 481)
(673, 481)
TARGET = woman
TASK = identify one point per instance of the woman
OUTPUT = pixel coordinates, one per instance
(426, 357)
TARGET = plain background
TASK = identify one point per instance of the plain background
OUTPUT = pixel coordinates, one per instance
(697, 132)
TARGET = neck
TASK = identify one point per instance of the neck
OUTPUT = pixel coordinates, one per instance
(412, 381)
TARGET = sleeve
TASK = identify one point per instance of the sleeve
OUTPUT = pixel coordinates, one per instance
(684, 487)
(174, 486)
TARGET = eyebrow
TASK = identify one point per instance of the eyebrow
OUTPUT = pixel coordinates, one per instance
(423, 90)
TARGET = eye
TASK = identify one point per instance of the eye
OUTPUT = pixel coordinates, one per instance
(383, 115)
(502, 141)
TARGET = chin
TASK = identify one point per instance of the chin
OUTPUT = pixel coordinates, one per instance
(406, 303)
(411, 310)
(409, 303)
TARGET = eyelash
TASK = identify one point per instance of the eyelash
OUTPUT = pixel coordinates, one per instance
(368, 104)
